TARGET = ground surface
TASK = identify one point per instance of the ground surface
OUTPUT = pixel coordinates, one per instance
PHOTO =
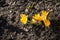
(12, 29)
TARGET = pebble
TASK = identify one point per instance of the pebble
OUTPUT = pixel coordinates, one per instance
(26, 10)
(11, 36)
(10, 11)
(25, 29)
(37, 7)
(13, 3)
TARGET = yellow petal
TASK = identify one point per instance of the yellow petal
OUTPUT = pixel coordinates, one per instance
(23, 18)
(44, 14)
(47, 23)
(34, 21)
(37, 17)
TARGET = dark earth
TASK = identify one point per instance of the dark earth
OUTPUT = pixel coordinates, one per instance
(12, 29)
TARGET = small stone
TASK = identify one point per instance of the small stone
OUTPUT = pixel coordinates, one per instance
(11, 36)
(25, 29)
(10, 11)
(26, 10)
(13, 3)
(37, 7)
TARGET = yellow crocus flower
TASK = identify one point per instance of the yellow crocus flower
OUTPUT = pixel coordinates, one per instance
(37, 17)
(23, 18)
(44, 14)
(43, 17)
(47, 23)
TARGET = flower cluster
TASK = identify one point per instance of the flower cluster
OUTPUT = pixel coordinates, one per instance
(36, 18)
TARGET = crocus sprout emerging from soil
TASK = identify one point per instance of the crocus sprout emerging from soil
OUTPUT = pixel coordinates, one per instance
(23, 18)
(43, 18)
